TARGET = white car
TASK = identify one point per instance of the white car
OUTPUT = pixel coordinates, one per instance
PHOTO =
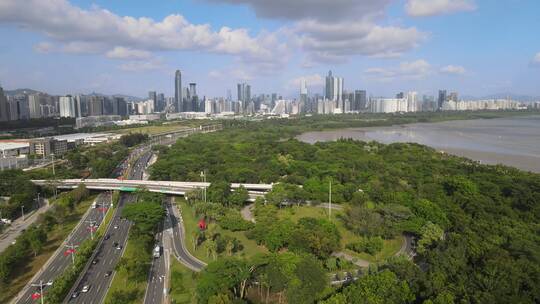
(85, 288)
(50, 283)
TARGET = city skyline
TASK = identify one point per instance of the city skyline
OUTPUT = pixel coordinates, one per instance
(381, 46)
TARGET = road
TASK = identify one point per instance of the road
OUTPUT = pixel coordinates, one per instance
(159, 271)
(107, 256)
(178, 236)
(58, 262)
(18, 226)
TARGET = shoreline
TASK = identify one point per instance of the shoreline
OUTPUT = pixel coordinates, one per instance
(508, 141)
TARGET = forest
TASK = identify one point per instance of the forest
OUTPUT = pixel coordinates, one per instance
(477, 226)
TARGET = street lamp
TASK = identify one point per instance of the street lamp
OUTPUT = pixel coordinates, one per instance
(40, 284)
(203, 176)
(71, 251)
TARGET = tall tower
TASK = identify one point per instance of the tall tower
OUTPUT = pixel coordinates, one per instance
(329, 89)
(178, 91)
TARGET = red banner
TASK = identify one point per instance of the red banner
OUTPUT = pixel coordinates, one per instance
(36, 295)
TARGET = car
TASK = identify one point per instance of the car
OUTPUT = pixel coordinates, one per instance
(75, 294)
(119, 247)
(115, 226)
(85, 288)
(108, 236)
(50, 283)
(108, 273)
(95, 261)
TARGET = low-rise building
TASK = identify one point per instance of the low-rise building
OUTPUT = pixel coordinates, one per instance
(47, 146)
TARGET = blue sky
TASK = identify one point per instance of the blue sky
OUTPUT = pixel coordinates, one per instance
(475, 47)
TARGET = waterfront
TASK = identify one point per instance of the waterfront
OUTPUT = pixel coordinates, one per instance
(513, 141)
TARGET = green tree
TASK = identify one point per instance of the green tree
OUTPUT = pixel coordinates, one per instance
(429, 234)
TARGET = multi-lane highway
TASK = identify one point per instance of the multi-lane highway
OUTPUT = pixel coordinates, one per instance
(156, 289)
(94, 282)
(59, 262)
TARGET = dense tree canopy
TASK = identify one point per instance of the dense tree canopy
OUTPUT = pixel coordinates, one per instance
(477, 225)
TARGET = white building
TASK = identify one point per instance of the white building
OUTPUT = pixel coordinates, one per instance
(67, 106)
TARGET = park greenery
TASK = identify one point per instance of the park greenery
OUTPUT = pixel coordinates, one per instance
(476, 225)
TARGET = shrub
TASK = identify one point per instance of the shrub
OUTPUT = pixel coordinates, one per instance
(371, 245)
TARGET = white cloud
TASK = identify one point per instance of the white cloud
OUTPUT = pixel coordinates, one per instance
(422, 8)
(237, 74)
(329, 10)
(332, 31)
(142, 65)
(215, 74)
(120, 52)
(98, 30)
(43, 47)
(453, 69)
(313, 80)
(536, 59)
(335, 42)
(417, 69)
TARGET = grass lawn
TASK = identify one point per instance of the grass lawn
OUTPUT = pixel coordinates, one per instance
(190, 225)
(182, 284)
(154, 129)
(123, 284)
(25, 272)
(390, 247)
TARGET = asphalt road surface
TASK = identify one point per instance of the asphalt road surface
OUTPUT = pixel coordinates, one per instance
(14, 230)
(178, 236)
(59, 262)
(155, 290)
(100, 272)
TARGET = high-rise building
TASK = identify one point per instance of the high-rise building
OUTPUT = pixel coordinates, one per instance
(244, 94)
(360, 100)
(120, 106)
(67, 106)
(34, 106)
(4, 115)
(453, 96)
(13, 108)
(161, 104)
(152, 95)
(412, 102)
(329, 88)
(178, 91)
(334, 89)
(441, 99)
(95, 106)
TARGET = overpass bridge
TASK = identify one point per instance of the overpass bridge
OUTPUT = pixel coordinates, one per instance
(166, 187)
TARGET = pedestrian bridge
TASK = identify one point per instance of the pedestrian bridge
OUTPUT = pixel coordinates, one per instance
(166, 187)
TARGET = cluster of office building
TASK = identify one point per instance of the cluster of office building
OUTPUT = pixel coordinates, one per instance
(15, 153)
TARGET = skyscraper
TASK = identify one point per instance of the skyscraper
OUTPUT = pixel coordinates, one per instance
(34, 106)
(160, 102)
(334, 89)
(360, 100)
(244, 94)
(153, 96)
(441, 99)
(95, 106)
(67, 106)
(178, 91)
(4, 116)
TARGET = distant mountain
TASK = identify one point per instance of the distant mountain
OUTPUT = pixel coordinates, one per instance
(20, 91)
(31, 91)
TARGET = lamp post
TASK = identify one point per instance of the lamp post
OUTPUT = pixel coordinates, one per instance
(40, 284)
